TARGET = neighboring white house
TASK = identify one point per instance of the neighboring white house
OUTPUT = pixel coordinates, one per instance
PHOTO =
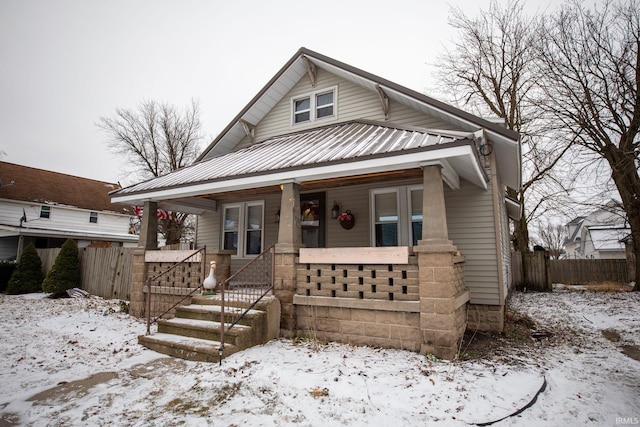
(599, 235)
(46, 208)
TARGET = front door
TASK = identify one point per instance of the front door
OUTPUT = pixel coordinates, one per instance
(312, 219)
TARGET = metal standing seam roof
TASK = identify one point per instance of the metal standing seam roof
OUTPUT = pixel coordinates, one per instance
(342, 142)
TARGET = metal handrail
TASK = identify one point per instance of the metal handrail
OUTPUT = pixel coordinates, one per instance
(255, 296)
(157, 276)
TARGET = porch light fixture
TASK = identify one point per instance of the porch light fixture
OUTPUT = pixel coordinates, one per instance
(335, 210)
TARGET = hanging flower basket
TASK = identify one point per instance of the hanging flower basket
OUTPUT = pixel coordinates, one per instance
(347, 220)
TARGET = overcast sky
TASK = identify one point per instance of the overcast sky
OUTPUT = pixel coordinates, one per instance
(64, 63)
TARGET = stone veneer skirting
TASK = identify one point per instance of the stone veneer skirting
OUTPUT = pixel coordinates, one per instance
(390, 324)
(484, 317)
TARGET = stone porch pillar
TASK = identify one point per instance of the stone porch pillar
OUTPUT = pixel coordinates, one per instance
(443, 296)
(286, 251)
(147, 240)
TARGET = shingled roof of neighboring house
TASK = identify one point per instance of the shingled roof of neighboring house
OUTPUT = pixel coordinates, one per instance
(29, 184)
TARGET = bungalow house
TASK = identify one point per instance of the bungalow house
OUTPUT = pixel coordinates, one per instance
(46, 208)
(387, 208)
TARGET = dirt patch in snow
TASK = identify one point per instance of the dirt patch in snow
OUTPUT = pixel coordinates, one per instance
(611, 335)
(71, 390)
(630, 350)
(633, 351)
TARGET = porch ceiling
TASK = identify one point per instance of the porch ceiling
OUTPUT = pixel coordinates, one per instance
(336, 151)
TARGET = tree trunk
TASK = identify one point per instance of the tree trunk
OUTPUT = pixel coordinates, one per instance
(171, 230)
(625, 176)
(634, 223)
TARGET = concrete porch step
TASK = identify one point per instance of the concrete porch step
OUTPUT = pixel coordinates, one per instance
(215, 300)
(189, 348)
(239, 335)
(213, 313)
(194, 334)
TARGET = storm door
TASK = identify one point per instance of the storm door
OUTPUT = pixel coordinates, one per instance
(312, 219)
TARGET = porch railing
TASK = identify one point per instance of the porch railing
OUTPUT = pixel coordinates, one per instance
(242, 291)
(168, 295)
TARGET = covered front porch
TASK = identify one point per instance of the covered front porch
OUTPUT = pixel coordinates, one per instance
(411, 297)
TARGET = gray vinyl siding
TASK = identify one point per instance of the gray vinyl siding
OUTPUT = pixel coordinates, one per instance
(471, 227)
(209, 230)
(210, 226)
(355, 199)
(353, 103)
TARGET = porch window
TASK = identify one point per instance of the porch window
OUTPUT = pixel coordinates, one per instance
(314, 106)
(386, 218)
(243, 228)
(397, 216)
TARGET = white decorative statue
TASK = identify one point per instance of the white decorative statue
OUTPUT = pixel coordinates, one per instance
(210, 283)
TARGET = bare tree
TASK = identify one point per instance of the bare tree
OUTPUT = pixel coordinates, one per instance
(591, 70)
(491, 71)
(156, 139)
(552, 237)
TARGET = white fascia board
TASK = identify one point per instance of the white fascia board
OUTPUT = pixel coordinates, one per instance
(381, 164)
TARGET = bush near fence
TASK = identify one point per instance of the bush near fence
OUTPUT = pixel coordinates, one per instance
(105, 272)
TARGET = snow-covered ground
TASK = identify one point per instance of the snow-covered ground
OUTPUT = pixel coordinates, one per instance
(71, 362)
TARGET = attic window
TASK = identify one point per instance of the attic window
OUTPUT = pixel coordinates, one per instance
(45, 212)
(93, 217)
(314, 106)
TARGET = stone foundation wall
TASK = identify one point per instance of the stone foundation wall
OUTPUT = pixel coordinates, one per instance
(488, 318)
(388, 324)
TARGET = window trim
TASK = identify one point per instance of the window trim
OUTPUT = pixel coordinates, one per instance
(242, 228)
(313, 107)
(403, 202)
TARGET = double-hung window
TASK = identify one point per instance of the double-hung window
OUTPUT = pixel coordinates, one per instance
(243, 228)
(396, 216)
(93, 217)
(314, 106)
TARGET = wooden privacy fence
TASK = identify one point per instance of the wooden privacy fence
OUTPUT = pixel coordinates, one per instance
(580, 271)
(531, 271)
(105, 272)
(535, 271)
